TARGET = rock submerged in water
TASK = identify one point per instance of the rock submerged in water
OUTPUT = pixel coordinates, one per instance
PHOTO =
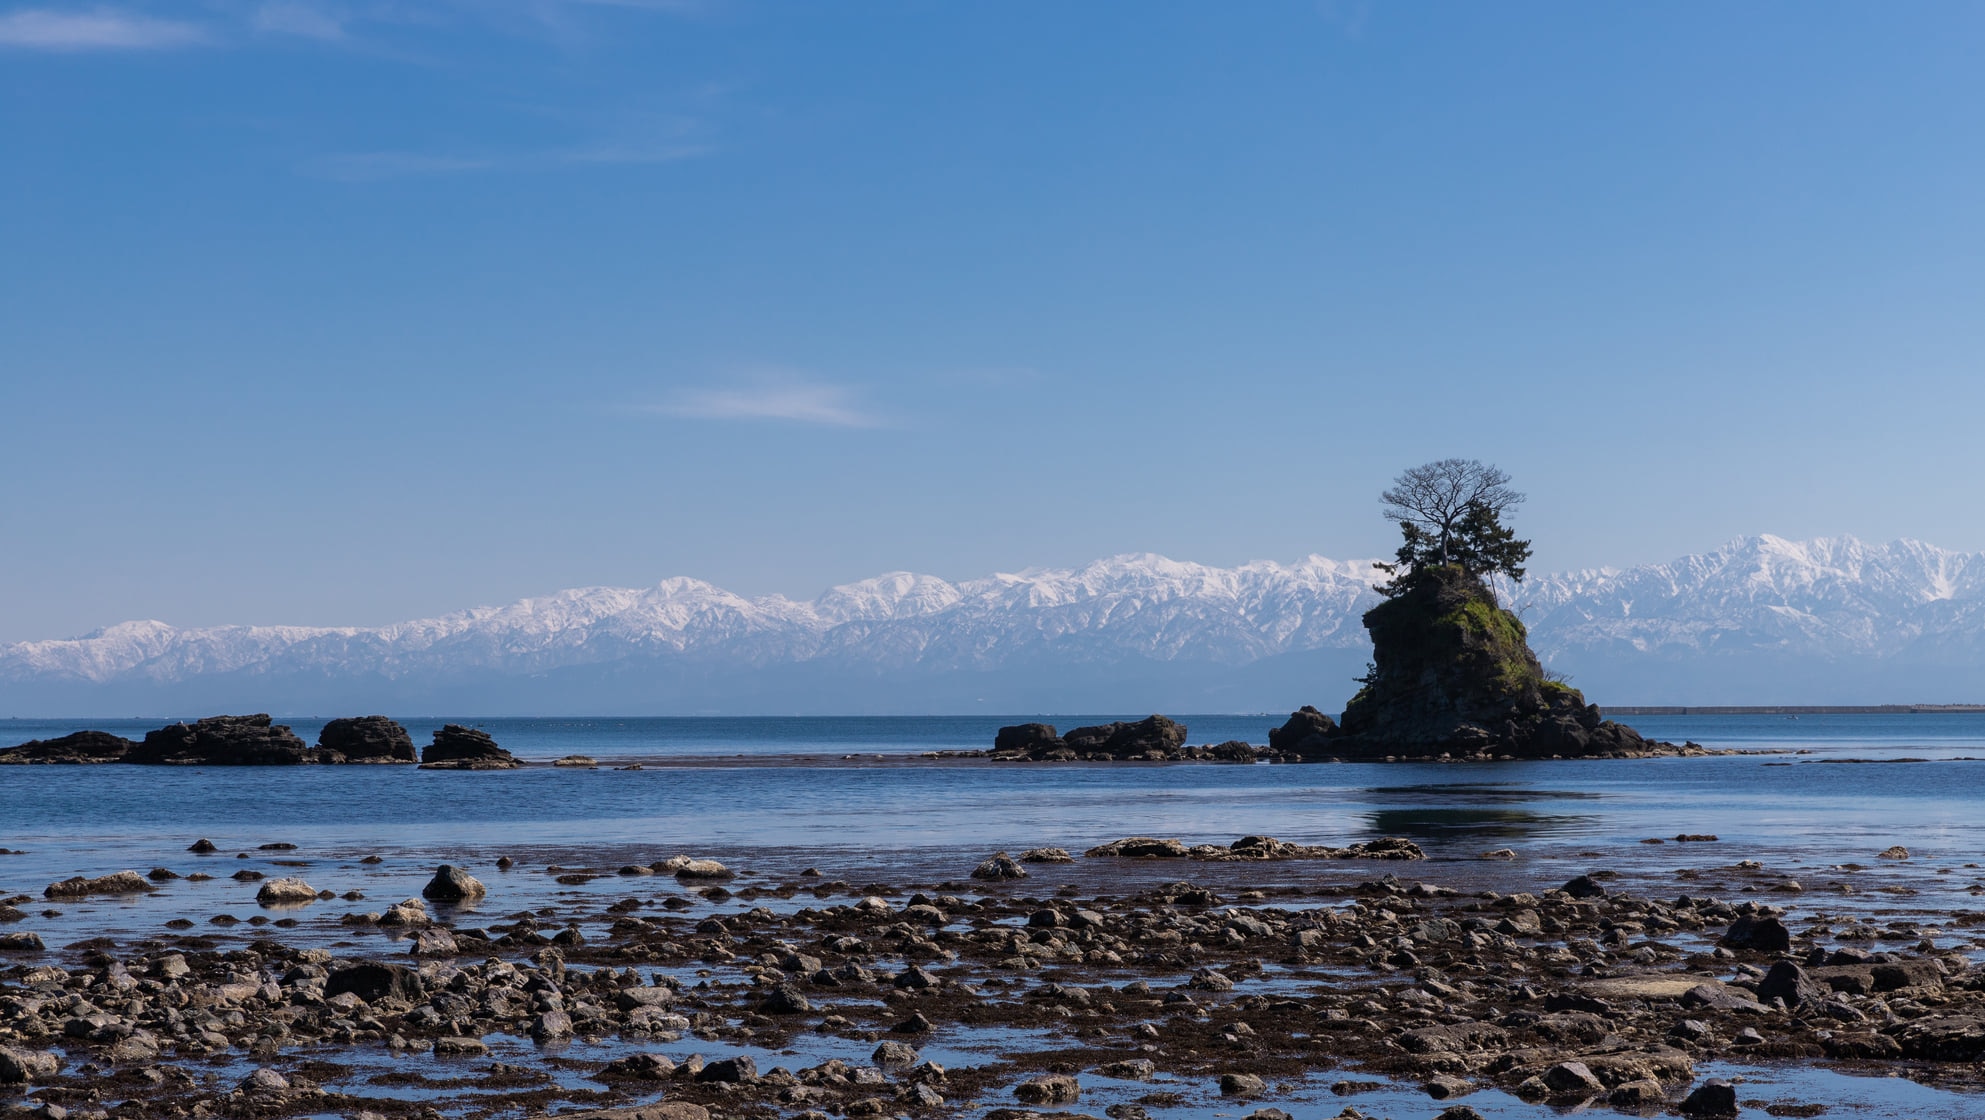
(79, 748)
(221, 741)
(1250, 848)
(123, 882)
(365, 739)
(465, 748)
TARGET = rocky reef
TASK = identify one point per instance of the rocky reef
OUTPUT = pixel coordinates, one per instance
(257, 740)
(80, 748)
(465, 748)
(221, 741)
(1151, 739)
(365, 739)
(1453, 674)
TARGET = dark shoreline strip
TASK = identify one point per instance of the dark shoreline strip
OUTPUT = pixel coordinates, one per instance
(1793, 710)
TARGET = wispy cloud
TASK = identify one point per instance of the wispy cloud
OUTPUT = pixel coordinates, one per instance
(98, 29)
(784, 397)
(368, 167)
(292, 17)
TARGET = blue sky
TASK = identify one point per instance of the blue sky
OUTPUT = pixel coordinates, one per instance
(350, 312)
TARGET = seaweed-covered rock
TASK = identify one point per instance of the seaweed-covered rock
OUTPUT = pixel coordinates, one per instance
(465, 748)
(77, 748)
(221, 741)
(1452, 672)
(365, 739)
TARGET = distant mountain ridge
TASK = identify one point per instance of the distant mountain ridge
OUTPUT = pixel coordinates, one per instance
(1760, 620)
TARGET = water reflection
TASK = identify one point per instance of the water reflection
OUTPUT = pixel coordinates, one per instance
(1456, 824)
(1486, 791)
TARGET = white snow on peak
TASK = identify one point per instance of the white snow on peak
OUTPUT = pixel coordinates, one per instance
(1832, 597)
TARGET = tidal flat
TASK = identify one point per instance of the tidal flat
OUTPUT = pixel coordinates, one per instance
(1545, 955)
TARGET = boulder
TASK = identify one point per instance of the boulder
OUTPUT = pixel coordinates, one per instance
(221, 741)
(365, 739)
(465, 748)
(19, 1066)
(641, 1067)
(730, 1071)
(1046, 855)
(1303, 725)
(452, 884)
(21, 943)
(1241, 1085)
(1053, 1088)
(578, 762)
(1233, 750)
(1789, 982)
(78, 748)
(279, 892)
(372, 981)
(1764, 934)
(1026, 740)
(1714, 1097)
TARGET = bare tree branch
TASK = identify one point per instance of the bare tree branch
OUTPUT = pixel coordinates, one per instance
(1434, 497)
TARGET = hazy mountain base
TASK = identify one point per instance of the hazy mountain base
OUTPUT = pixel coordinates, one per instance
(667, 686)
(671, 687)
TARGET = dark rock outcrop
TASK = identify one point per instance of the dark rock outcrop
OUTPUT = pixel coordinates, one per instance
(1026, 740)
(81, 747)
(465, 748)
(365, 739)
(1153, 737)
(1453, 673)
(221, 741)
(1306, 730)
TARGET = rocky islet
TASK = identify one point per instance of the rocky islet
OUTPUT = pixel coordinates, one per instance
(257, 740)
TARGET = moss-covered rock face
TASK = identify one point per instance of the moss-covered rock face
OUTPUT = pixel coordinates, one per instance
(1453, 673)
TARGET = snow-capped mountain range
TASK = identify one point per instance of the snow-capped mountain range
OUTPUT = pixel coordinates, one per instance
(1761, 620)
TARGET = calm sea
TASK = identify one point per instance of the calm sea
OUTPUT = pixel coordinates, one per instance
(850, 795)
